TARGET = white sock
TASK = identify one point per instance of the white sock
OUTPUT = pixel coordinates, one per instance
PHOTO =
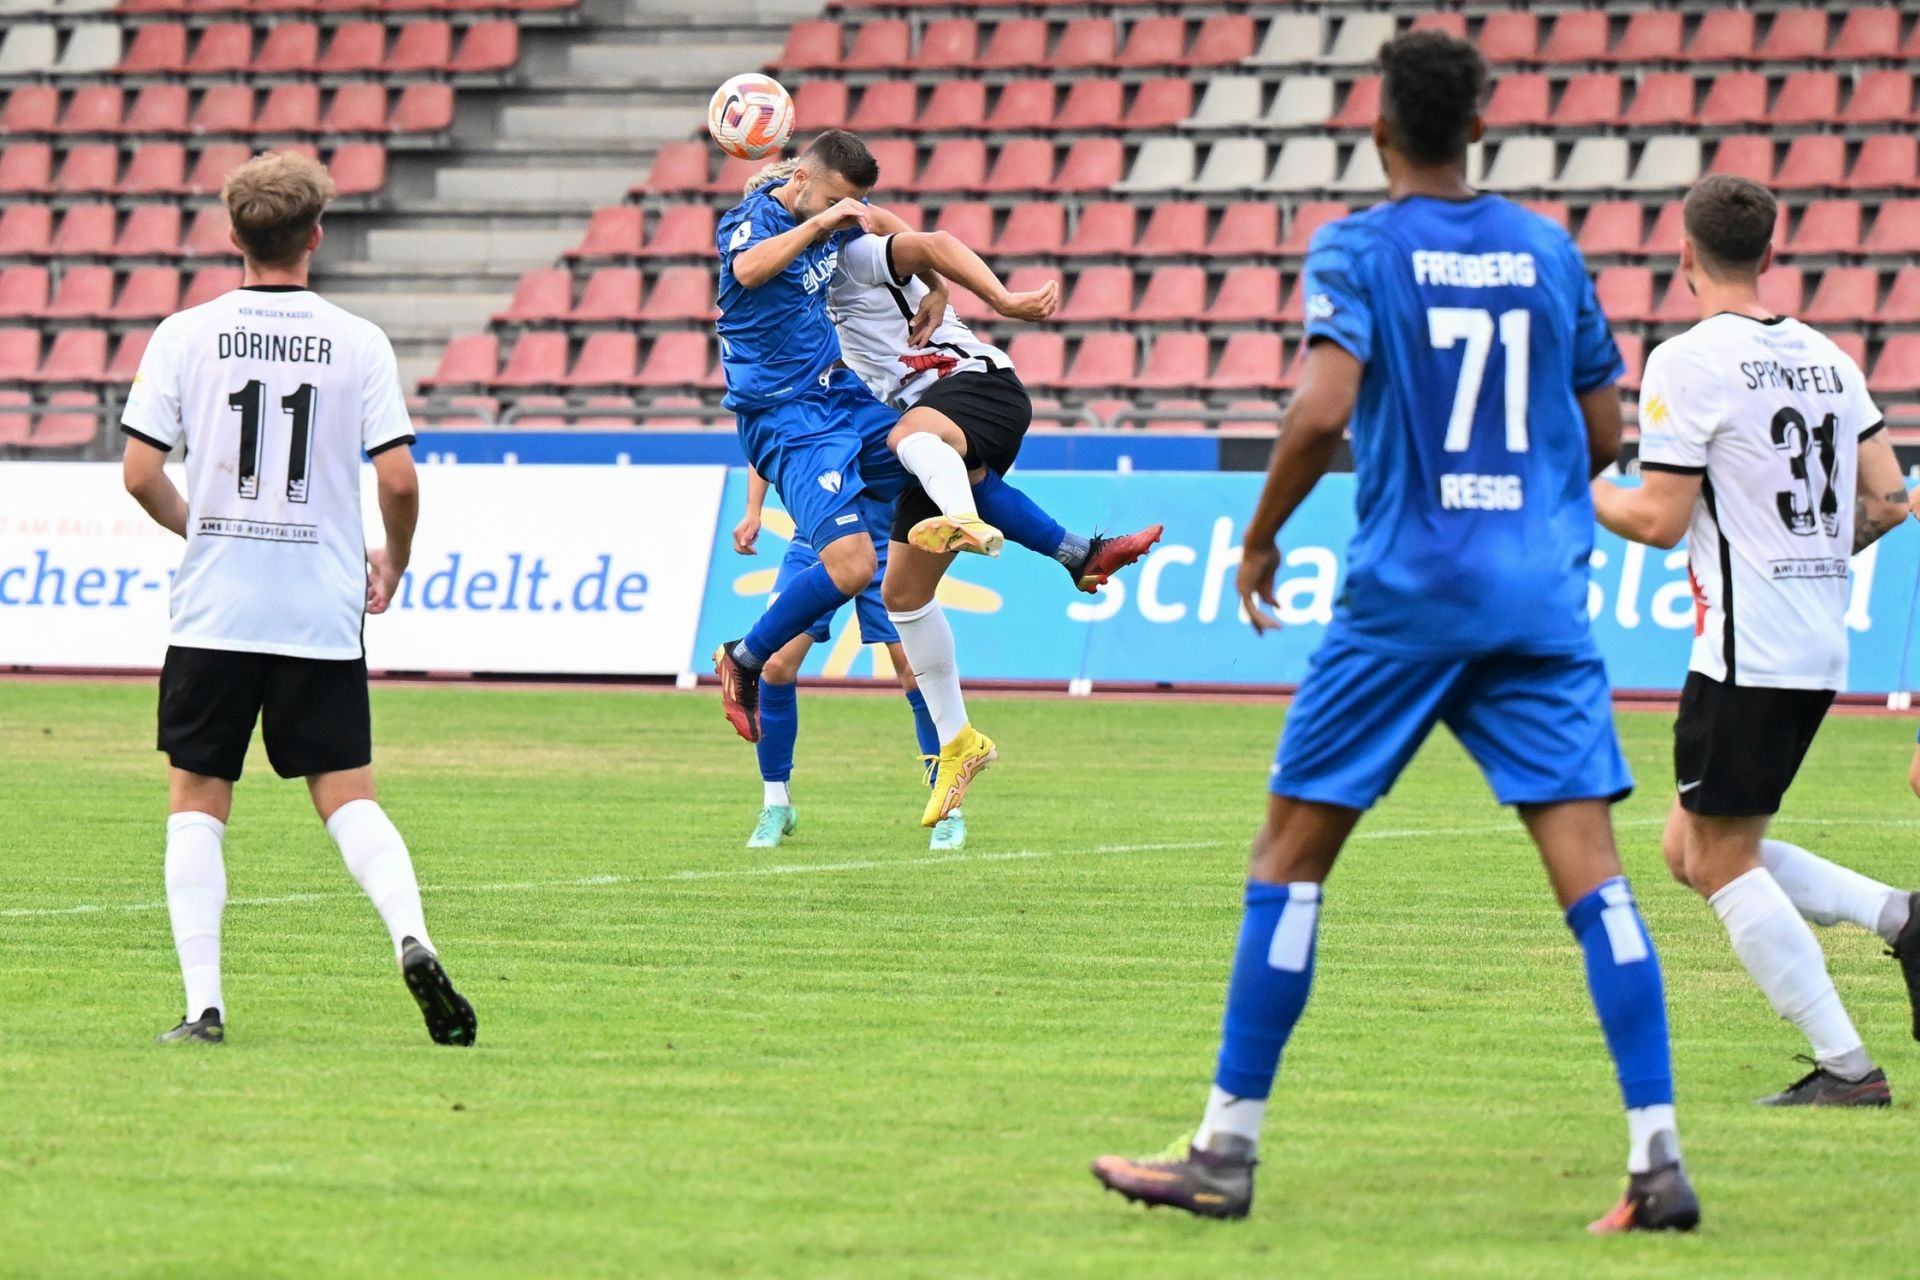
(1785, 960)
(928, 641)
(1642, 1124)
(1827, 893)
(377, 857)
(776, 794)
(940, 471)
(196, 898)
(1240, 1117)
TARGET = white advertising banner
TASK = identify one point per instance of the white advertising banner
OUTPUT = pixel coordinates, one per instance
(561, 569)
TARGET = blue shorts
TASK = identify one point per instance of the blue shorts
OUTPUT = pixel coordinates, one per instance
(875, 626)
(821, 451)
(1539, 726)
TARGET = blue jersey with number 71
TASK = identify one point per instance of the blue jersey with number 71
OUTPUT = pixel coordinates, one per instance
(1477, 326)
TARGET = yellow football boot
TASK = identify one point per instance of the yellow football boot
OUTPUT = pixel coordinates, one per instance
(941, 534)
(955, 768)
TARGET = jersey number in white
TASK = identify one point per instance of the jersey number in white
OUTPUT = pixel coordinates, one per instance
(1798, 505)
(1449, 326)
(250, 402)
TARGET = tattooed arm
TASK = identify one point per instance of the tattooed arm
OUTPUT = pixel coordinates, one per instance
(1881, 502)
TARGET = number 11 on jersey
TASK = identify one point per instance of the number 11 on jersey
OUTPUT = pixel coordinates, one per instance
(250, 403)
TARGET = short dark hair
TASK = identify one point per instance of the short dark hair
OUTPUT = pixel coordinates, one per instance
(843, 153)
(1730, 221)
(1431, 88)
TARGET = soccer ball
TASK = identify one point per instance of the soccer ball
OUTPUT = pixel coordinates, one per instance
(750, 115)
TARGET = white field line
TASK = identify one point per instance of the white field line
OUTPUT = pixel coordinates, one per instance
(865, 864)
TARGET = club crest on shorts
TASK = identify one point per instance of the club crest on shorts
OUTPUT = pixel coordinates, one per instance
(830, 481)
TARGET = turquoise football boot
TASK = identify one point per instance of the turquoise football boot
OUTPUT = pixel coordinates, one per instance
(949, 833)
(777, 821)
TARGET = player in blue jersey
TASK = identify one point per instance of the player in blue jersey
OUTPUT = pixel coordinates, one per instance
(1459, 336)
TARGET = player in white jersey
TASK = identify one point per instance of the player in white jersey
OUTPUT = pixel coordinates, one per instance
(275, 393)
(1759, 443)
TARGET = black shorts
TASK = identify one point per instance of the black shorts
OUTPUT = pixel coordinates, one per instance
(313, 712)
(993, 411)
(1736, 748)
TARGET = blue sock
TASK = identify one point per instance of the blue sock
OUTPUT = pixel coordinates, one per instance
(1017, 516)
(1623, 972)
(1272, 973)
(779, 726)
(922, 729)
(801, 603)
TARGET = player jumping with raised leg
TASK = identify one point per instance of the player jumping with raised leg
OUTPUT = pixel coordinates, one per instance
(1760, 444)
(1467, 503)
(275, 393)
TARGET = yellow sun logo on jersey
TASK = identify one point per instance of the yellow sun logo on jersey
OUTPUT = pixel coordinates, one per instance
(963, 597)
(1653, 411)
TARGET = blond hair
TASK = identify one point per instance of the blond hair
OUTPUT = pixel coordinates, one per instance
(275, 201)
(778, 171)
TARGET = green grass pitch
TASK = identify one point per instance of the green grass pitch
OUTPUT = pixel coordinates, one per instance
(846, 1058)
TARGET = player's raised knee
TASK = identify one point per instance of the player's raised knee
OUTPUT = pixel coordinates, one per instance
(851, 562)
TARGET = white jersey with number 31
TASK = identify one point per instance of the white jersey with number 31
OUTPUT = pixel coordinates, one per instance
(1770, 415)
(275, 392)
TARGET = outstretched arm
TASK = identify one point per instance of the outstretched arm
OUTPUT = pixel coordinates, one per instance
(759, 263)
(941, 251)
(747, 532)
(1657, 513)
(143, 469)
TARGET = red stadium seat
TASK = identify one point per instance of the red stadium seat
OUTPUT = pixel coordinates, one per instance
(1866, 35)
(1447, 23)
(881, 46)
(1086, 42)
(1308, 217)
(960, 164)
(93, 168)
(1159, 104)
(423, 108)
(1611, 229)
(1024, 104)
(94, 108)
(889, 106)
(899, 161)
(290, 108)
(357, 108)
(1175, 360)
(77, 355)
(679, 359)
(1294, 309)
(1174, 295)
(158, 108)
(684, 231)
(971, 222)
(612, 232)
(1854, 344)
(1626, 294)
(428, 47)
(1807, 97)
(1813, 160)
(1890, 160)
(1105, 229)
(1154, 42)
(679, 168)
(612, 294)
(1361, 107)
(356, 47)
(1901, 307)
(24, 291)
(1510, 37)
(1589, 100)
(85, 293)
(538, 359)
(1578, 36)
(1174, 228)
(1845, 295)
(955, 106)
(70, 430)
(150, 293)
(1737, 98)
(1099, 294)
(1663, 241)
(1747, 155)
(681, 294)
(948, 44)
(1519, 100)
(210, 170)
(358, 168)
(1221, 41)
(1662, 98)
(1250, 362)
(488, 48)
(1248, 295)
(606, 360)
(209, 283)
(1017, 44)
(1102, 362)
(15, 423)
(1724, 35)
(19, 354)
(25, 231)
(210, 235)
(470, 360)
(1040, 358)
(226, 108)
(1896, 228)
(86, 231)
(813, 45)
(1092, 164)
(1898, 366)
(26, 168)
(1678, 307)
(224, 49)
(151, 231)
(1795, 35)
(35, 108)
(821, 104)
(291, 48)
(1092, 103)
(545, 294)
(1828, 226)
(1033, 230)
(1652, 35)
(1782, 290)
(159, 49)
(1880, 97)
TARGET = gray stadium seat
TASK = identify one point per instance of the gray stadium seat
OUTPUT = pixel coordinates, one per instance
(1363, 172)
(1230, 102)
(1304, 164)
(1163, 164)
(1292, 40)
(1521, 164)
(27, 50)
(1359, 38)
(1233, 164)
(93, 47)
(1303, 102)
(1594, 164)
(1666, 163)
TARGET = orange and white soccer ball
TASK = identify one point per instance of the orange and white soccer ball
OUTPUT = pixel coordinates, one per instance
(750, 115)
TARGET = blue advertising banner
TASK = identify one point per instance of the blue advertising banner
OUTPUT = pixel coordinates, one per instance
(1175, 617)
